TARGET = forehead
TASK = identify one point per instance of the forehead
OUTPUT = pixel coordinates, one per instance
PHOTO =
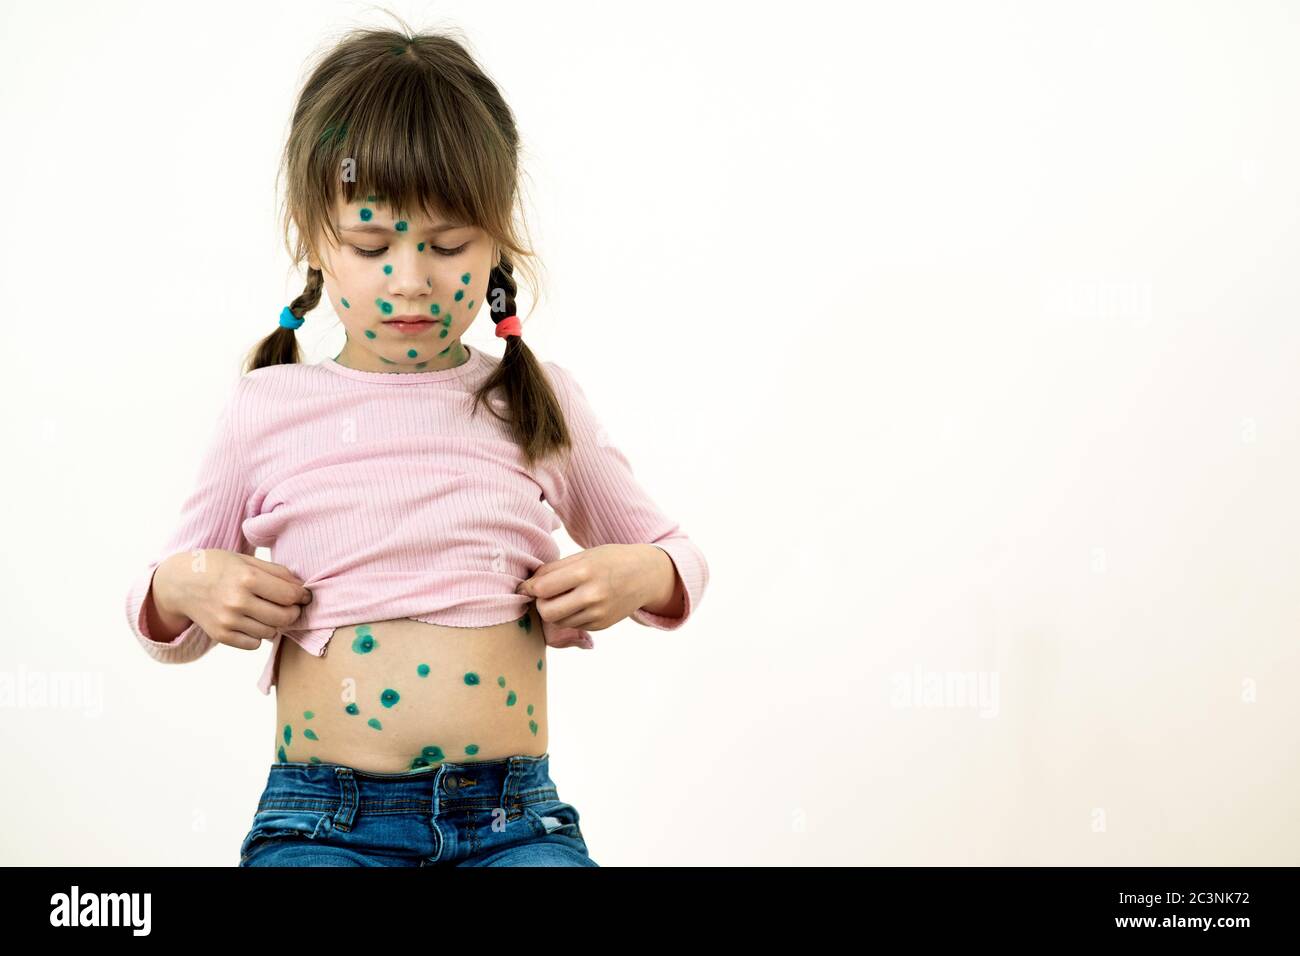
(372, 214)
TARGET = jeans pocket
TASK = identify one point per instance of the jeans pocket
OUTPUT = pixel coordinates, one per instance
(274, 826)
(551, 817)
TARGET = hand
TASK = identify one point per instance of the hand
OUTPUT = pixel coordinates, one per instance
(237, 599)
(591, 589)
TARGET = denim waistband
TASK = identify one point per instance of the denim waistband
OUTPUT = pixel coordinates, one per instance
(509, 782)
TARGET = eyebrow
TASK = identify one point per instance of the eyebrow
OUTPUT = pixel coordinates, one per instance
(384, 230)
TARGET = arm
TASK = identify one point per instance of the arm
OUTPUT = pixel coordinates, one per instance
(602, 503)
(211, 517)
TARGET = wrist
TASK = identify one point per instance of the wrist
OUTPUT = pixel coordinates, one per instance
(660, 581)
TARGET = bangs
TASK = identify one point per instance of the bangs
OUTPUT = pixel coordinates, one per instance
(408, 139)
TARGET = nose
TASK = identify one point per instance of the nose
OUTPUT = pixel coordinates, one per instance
(411, 275)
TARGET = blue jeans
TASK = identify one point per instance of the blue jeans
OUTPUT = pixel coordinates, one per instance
(503, 812)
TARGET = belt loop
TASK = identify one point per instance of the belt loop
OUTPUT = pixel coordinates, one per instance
(346, 815)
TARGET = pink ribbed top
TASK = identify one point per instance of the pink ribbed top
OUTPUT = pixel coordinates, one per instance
(389, 500)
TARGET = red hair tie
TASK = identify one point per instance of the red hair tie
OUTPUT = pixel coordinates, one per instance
(509, 326)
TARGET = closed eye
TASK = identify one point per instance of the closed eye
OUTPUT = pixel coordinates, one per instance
(371, 253)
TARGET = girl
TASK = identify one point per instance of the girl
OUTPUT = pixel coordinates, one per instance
(415, 575)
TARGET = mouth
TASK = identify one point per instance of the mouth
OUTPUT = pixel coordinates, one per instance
(410, 323)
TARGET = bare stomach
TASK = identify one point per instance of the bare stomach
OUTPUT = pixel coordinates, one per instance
(393, 696)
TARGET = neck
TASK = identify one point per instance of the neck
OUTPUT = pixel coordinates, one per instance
(364, 360)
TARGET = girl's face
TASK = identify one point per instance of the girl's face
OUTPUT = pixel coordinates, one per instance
(429, 271)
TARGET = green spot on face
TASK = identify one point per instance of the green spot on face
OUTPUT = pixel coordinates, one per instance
(364, 643)
(471, 304)
(530, 710)
(510, 699)
(389, 697)
(465, 278)
(445, 351)
(288, 733)
(432, 753)
(423, 670)
(387, 361)
(388, 270)
(421, 364)
(419, 246)
(283, 758)
(373, 722)
(369, 334)
(433, 309)
(411, 353)
(501, 682)
(472, 749)
(308, 715)
(470, 678)
(401, 225)
(345, 304)
(310, 734)
(460, 294)
(442, 334)
(365, 215)
(532, 725)
(352, 709)
(384, 307)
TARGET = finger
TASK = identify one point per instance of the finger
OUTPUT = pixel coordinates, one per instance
(556, 581)
(279, 589)
(272, 615)
(247, 638)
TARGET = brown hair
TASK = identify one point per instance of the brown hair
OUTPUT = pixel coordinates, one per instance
(424, 127)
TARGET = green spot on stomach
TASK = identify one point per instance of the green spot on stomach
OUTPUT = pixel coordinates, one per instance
(308, 714)
(423, 670)
(364, 643)
(288, 733)
(530, 710)
(310, 734)
(470, 678)
(315, 759)
(432, 753)
(532, 725)
(501, 682)
(373, 722)
(389, 697)
(510, 699)
(352, 709)
(283, 758)
(471, 749)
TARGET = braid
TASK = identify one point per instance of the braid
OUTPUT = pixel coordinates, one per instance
(501, 296)
(281, 346)
(310, 297)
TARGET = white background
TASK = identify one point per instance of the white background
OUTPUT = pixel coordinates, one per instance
(962, 338)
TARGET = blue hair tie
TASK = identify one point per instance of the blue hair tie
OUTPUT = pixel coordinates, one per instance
(288, 320)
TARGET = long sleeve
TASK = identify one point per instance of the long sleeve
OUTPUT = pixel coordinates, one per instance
(211, 517)
(603, 503)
